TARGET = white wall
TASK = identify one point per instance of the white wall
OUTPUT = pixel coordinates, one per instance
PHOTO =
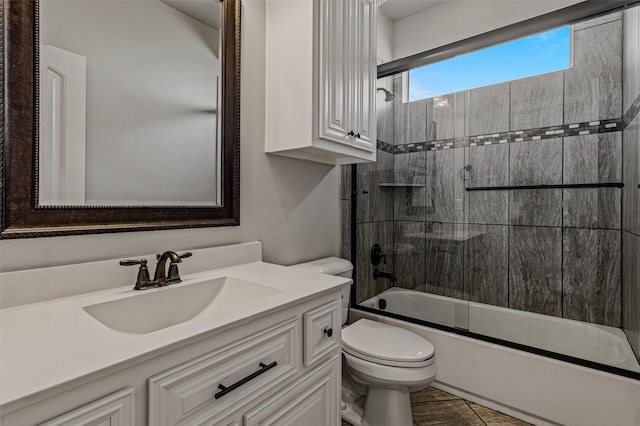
(459, 19)
(289, 205)
(384, 38)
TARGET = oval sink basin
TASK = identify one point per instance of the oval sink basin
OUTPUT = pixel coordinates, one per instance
(156, 309)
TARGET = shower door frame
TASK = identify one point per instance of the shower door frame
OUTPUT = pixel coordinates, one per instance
(564, 16)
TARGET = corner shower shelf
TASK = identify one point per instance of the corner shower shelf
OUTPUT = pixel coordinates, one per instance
(402, 185)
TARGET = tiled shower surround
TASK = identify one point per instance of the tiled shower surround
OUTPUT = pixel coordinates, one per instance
(571, 253)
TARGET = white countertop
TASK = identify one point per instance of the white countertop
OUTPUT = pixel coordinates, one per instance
(48, 344)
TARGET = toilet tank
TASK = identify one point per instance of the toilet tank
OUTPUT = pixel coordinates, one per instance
(332, 266)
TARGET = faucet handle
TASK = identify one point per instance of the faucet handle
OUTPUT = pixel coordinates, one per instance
(173, 274)
(143, 280)
(377, 255)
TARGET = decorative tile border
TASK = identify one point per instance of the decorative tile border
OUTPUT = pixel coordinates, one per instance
(515, 136)
(386, 147)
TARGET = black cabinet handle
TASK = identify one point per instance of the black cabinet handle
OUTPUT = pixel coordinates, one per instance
(351, 133)
(328, 331)
(357, 135)
(225, 390)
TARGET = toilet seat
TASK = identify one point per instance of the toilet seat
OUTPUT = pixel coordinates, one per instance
(390, 377)
(386, 345)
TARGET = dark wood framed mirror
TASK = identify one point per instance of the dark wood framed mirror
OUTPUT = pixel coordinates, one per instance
(23, 212)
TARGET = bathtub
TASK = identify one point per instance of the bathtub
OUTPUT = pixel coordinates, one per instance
(592, 342)
(538, 389)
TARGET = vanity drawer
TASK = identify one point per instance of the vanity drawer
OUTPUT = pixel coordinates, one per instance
(321, 331)
(199, 391)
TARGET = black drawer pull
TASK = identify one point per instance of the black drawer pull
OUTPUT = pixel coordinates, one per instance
(328, 331)
(225, 390)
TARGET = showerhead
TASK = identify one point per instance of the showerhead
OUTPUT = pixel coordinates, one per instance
(388, 95)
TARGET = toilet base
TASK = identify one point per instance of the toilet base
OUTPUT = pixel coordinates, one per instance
(386, 407)
(352, 414)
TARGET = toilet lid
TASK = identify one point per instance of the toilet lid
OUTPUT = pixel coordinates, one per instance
(385, 342)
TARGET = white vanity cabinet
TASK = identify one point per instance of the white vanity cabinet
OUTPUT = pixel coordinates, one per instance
(320, 79)
(255, 372)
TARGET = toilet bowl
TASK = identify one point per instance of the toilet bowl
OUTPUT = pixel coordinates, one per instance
(388, 361)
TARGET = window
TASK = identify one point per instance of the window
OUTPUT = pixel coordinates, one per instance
(537, 54)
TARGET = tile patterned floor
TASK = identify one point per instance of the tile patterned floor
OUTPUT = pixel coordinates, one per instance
(435, 407)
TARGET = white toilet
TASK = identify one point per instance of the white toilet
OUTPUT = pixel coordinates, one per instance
(390, 361)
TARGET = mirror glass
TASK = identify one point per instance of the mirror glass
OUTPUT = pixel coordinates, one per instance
(130, 103)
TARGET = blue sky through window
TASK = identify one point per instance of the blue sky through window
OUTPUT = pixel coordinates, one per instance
(537, 54)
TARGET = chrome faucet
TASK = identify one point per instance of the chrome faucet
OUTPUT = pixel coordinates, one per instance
(160, 277)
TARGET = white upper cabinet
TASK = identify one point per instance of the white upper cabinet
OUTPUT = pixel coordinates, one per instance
(320, 79)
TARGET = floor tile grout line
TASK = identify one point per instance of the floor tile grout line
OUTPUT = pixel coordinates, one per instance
(436, 401)
(475, 412)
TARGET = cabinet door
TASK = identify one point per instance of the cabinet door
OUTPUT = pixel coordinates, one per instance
(114, 410)
(204, 390)
(321, 332)
(313, 400)
(363, 78)
(333, 79)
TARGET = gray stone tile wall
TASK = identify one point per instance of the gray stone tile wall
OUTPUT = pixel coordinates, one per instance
(550, 251)
(488, 166)
(444, 259)
(409, 254)
(410, 202)
(593, 22)
(535, 269)
(486, 264)
(631, 289)
(462, 101)
(591, 208)
(368, 234)
(489, 109)
(536, 162)
(345, 229)
(631, 178)
(535, 207)
(441, 117)
(441, 182)
(592, 277)
(537, 101)
(631, 57)
(593, 86)
(593, 158)
(375, 202)
(345, 182)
